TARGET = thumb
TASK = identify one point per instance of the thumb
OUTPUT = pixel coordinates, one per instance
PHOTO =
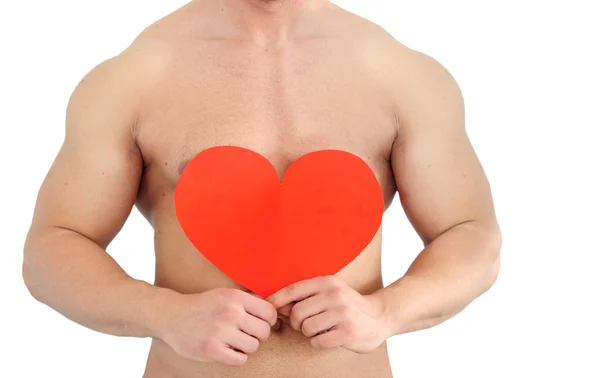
(253, 293)
(286, 310)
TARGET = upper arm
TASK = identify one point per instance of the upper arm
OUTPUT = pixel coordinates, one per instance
(440, 180)
(92, 184)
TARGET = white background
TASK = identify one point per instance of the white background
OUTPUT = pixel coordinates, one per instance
(529, 71)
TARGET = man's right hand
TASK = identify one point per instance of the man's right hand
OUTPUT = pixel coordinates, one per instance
(221, 325)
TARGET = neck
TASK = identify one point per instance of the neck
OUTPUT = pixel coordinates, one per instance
(267, 21)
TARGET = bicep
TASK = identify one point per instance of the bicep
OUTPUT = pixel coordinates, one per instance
(92, 185)
(440, 180)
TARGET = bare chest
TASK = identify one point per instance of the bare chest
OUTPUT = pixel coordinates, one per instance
(280, 104)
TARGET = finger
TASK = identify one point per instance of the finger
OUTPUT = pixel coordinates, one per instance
(259, 307)
(255, 327)
(299, 291)
(286, 310)
(228, 356)
(241, 341)
(305, 309)
(320, 323)
(330, 339)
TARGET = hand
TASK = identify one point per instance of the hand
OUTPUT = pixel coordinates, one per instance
(222, 325)
(333, 314)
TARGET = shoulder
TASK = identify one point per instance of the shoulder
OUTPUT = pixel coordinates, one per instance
(400, 68)
(422, 92)
(113, 90)
(148, 54)
(401, 63)
(415, 81)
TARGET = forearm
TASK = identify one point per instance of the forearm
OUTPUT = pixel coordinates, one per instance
(448, 274)
(77, 278)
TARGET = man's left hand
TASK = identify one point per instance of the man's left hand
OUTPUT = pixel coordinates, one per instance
(332, 314)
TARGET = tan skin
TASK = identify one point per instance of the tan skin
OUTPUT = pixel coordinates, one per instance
(282, 79)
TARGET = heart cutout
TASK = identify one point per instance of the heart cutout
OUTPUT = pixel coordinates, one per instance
(265, 234)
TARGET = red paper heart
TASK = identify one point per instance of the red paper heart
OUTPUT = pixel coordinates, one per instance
(265, 234)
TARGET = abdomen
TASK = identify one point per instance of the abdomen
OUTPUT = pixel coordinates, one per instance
(286, 354)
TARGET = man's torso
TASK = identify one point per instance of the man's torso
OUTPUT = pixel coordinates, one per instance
(323, 89)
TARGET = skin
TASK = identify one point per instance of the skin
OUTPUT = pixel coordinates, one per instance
(282, 79)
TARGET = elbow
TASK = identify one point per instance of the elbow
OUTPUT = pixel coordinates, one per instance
(28, 274)
(493, 262)
(27, 280)
(493, 272)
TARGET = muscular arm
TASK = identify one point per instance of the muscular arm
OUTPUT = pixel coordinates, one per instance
(84, 201)
(447, 198)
